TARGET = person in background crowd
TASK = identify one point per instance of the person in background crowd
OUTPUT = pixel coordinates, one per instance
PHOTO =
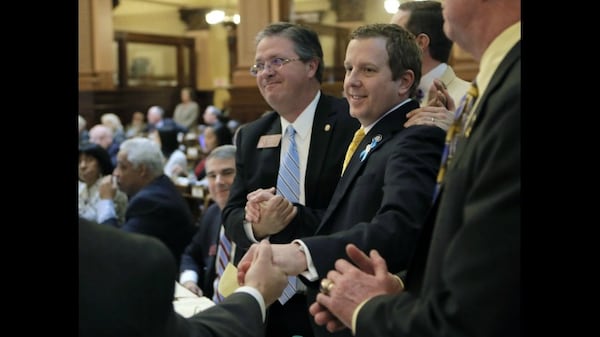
(114, 123)
(137, 126)
(84, 136)
(156, 120)
(198, 260)
(425, 20)
(214, 136)
(187, 111)
(103, 135)
(212, 115)
(465, 276)
(156, 207)
(176, 161)
(94, 164)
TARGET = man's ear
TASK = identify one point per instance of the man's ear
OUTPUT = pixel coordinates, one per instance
(405, 82)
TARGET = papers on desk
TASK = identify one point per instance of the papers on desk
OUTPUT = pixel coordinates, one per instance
(186, 303)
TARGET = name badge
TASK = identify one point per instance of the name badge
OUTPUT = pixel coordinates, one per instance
(268, 141)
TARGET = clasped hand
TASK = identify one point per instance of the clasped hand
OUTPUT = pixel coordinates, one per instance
(269, 213)
(439, 110)
(364, 278)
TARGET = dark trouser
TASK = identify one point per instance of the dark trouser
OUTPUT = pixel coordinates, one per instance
(290, 319)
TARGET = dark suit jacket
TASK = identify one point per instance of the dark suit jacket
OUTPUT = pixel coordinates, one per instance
(159, 210)
(332, 131)
(465, 277)
(199, 255)
(126, 290)
(381, 202)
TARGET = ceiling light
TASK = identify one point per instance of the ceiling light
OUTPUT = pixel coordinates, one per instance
(215, 16)
(391, 6)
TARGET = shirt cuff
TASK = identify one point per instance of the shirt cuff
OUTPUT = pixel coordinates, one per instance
(250, 232)
(311, 274)
(399, 280)
(355, 316)
(188, 275)
(257, 295)
(106, 210)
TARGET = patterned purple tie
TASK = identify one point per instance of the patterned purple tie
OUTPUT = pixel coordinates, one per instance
(223, 257)
(461, 127)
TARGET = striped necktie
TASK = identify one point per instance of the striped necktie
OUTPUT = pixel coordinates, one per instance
(288, 179)
(358, 137)
(223, 257)
(464, 118)
(288, 185)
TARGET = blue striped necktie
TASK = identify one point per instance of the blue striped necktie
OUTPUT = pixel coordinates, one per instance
(288, 185)
(464, 118)
(223, 257)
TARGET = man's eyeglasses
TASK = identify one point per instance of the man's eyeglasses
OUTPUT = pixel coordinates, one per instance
(275, 63)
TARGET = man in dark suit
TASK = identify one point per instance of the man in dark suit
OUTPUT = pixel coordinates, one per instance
(156, 120)
(126, 288)
(464, 279)
(155, 205)
(289, 70)
(386, 190)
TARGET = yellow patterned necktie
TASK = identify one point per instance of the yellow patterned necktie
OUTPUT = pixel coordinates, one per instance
(358, 137)
(461, 127)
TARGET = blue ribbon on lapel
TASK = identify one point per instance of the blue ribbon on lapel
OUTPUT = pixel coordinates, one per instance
(374, 141)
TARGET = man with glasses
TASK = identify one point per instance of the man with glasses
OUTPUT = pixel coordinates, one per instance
(289, 71)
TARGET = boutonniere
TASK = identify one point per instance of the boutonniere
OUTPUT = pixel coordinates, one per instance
(370, 146)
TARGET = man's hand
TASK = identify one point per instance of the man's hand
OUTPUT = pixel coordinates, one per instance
(439, 110)
(286, 256)
(268, 213)
(262, 273)
(108, 187)
(352, 286)
(193, 287)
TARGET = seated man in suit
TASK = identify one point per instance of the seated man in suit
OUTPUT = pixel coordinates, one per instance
(198, 260)
(126, 289)
(155, 205)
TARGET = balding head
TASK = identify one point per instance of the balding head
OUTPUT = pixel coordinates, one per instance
(101, 135)
(155, 114)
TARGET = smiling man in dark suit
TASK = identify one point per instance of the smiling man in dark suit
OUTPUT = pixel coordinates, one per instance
(289, 70)
(386, 190)
(465, 277)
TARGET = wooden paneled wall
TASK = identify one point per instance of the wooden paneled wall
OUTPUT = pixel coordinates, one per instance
(124, 102)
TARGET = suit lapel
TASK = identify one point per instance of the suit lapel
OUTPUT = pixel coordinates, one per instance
(497, 79)
(322, 131)
(383, 131)
(269, 157)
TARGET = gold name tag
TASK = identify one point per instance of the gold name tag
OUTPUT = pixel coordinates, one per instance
(268, 141)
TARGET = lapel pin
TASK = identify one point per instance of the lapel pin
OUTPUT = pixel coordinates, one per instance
(327, 127)
(374, 141)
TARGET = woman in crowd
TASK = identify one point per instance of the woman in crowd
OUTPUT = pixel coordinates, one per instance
(94, 164)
